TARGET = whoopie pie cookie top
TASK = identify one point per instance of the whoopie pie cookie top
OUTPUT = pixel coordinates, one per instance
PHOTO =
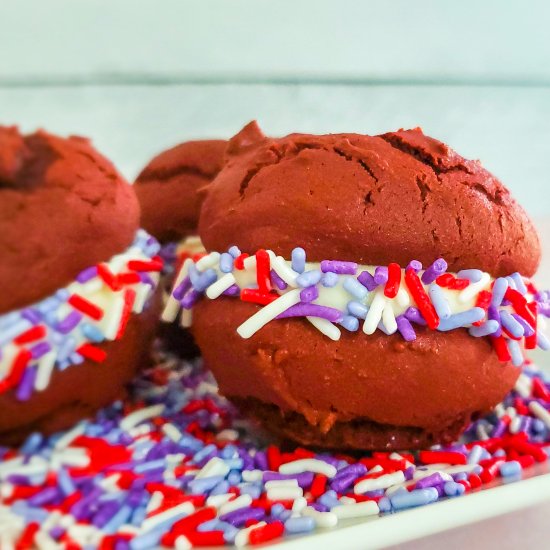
(369, 199)
(170, 188)
(63, 208)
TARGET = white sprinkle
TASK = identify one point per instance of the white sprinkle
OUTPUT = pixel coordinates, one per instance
(287, 274)
(220, 286)
(184, 508)
(43, 541)
(240, 502)
(285, 493)
(219, 500)
(214, 467)
(110, 323)
(326, 327)
(499, 410)
(357, 510)
(186, 318)
(66, 439)
(524, 386)
(481, 432)
(299, 505)
(540, 412)
(281, 483)
(44, 370)
(511, 412)
(154, 502)
(322, 519)
(388, 318)
(375, 313)
(252, 476)
(308, 465)
(347, 500)
(171, 432)
(142, 294)
(242, 537)
(445, 470)
(515, 425)
(250, 263)
(208, 261)
(73, 457)
(403, 298)
(182, 543)
(139, 416)
(382, 482)
(268, 313)
(172, 305)
(474, 288)
(376, 469)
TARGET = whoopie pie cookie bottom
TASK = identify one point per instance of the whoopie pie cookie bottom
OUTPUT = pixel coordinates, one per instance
(379, 392)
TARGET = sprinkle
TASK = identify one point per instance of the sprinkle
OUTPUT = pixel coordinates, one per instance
(298, 263)
(357, 309)
(339, 267)
(299, 525)
(312, 310)
(394, 279)
(309, 294)
(355, 288)
(381, 275)
(473, 275)
(439, 301)
(374, 314)
(488, 328)
(434, 271)
(325, 327)
(141, 415)
(469, 293)
(268, 313)
(463, 319)
(367, 280)
(329, 280)
(309, 278)
(349, 322)
(308, 465)
(220, 286)
(418, 497)
(405, 328)
(421, 298)
(388, 319)
(358, 510)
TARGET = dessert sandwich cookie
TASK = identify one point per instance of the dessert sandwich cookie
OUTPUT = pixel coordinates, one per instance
(363, 292)
(170, 190)
(78, 276)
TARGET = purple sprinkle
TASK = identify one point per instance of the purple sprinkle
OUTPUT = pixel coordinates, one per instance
(429, 481)
(405, 328)
(277, 281)
(414, 316)
(69, 323)
(367, 280)
(31, 315)
(233, 290)
(339, 267)
(44, 497)
(26, 386)
(182, 288)
(342, 483)
(87, 274)
(40, 349)
(305, 479)
(309, 294)
(381, 275)
(357, 468)
(434, 271)
(146, 279)
(494, 315)
(409, 473)
(415, 265)
(312, 310)
(240, 516)
(190, 299)
(319, 507)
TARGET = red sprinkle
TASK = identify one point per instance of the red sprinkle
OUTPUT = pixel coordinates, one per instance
(17, 369)
(35, 333)
(445, 280)
(394, 280)
(129, 299)
(151, 265)
(266, 532)
(108, 278)
(85, 306)
(421, 298)
(447, 457)
(239, 261)
(531, 341)
(501, 348)
(206, 538)
(26, 540)
(263, 269)
(257, 296)
(318, 486)
(92, 352)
